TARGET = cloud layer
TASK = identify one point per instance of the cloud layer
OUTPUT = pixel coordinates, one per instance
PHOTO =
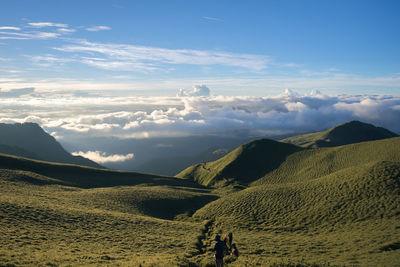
(148, 117)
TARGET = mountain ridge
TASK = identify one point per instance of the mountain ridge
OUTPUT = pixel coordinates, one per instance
(30, 140)
(343, 134)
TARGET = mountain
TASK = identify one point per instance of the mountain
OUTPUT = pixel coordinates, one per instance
(343, 134)
(30, 140)
(310, 164)
(340, 201)
(335, 206)
(291, 206)
(17, 151)
(243, 165)
(172, 165)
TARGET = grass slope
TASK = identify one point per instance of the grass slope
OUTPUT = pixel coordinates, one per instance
(343, 134)
(335, 205)
(349, 217)
(243, 165)
(329, 206)
(45, 221)
(313, 163)
(81, 176)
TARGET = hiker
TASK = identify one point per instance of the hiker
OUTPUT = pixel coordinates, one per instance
(230, 240)
(226, 242)
(219, 249)
(234, 251)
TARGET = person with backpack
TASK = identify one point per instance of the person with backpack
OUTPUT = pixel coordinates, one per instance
(219, 249)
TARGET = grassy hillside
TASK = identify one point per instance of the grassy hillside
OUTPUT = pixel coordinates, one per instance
(343, 134)
(53, 225)
(335, 206)
(243, 165)
(68, 219)
(348, 217)
(30, 140)
(81, 176)
(313, 163)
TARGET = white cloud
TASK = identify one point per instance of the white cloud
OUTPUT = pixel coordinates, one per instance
(66, 30)
(10, 28)
(98, 28)
(102, 157)
(47, 24)
(197, 90)
(48, 60)
(17, 92)
(27, 35)
(212, 18)
(149, 57)
(148, 117)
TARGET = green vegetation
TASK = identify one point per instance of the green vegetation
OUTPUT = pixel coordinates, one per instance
(343, 134)
(44, 221)
(259, 157)
(286, 205)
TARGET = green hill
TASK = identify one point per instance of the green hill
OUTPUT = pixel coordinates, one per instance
(243, 165)
(55, 214)
(333, 206)
(81, 176)
(339, 205)
(30, 140)
(313, 163)
(343, 134)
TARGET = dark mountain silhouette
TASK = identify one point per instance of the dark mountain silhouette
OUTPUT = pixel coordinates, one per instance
(343, 134)
(31, 141)
(17, 151)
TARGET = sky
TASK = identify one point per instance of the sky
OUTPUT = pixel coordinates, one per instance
(234, 47)
(143, 69)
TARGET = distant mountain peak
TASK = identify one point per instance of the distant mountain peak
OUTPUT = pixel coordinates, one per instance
(30, 140)
(346, 133)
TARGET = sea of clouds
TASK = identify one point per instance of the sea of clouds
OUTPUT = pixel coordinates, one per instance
(196, 112)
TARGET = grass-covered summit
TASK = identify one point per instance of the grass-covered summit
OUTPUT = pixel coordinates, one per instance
(343, 134)
(243, 165)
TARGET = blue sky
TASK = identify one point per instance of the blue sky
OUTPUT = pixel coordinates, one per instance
(234, 47)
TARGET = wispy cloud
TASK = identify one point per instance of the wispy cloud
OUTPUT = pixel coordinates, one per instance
(47, 24)
(27, 35)
(149, 58)
(66, 30)
(10, 28)
(98, 28)
(48, 60)
(212, 18)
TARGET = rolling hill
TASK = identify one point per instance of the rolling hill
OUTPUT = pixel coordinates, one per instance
(343, 134)
(321, 203)
(294, 206)
(243, 165)
(87, 177)
(55, 214)
(30, 140)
